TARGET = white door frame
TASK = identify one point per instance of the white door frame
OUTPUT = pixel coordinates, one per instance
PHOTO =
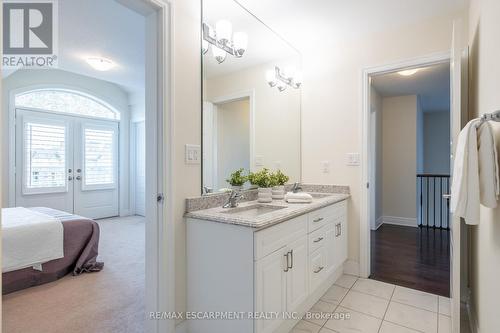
(160, 289)
(368, 146)
(250, 94)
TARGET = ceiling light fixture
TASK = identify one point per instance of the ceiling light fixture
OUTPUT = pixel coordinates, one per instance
(282, 79)
(222, 39)
(100, 64)
(409, 72)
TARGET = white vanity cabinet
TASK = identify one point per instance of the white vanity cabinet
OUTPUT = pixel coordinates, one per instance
(282, 269)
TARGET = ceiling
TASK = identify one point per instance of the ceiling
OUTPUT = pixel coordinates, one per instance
(308, 24)
(113, 31)
(431, 84)
(264, 45)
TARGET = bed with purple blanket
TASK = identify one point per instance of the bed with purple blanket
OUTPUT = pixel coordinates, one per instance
(80, 245)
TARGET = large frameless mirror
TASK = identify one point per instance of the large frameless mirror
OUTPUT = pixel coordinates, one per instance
(251, 97)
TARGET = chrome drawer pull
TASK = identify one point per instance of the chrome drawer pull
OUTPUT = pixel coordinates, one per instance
(318, 270)
(291, 260)
(286, 256)
(318, 219)
(318, 240)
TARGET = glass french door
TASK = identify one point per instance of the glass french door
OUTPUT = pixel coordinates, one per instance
(67, 163)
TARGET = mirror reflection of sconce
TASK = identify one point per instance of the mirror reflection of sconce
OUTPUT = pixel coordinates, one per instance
(223, 41)
(282, 78)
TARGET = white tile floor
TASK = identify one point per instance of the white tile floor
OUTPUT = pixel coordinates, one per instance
(368, 306)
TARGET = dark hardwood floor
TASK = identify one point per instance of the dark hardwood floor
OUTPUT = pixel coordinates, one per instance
(417, 258)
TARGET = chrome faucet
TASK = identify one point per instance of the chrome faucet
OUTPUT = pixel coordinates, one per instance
(296, 188)
(233, 199)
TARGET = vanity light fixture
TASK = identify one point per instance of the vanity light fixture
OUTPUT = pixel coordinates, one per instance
(223, 40)
(281, 79)
(100, 64)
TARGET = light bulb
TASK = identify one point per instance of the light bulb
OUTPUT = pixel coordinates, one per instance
(219, 54)
(271, 77)
(224, 30)
(240, 42)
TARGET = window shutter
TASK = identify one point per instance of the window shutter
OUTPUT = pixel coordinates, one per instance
(99, 157)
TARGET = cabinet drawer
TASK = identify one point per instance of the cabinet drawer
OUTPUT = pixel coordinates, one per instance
(320, 217)
(317, 267)
(317, 238)
(271, 239)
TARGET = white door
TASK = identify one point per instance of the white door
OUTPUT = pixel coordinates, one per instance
(96, 168)
(67, 163)
(297, 282)
(44, 161)
(459, 87)
(270, 286)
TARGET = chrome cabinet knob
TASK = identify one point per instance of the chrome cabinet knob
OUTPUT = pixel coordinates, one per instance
(78, 177)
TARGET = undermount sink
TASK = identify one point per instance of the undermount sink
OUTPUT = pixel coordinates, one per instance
(253, 210)
(320, 195)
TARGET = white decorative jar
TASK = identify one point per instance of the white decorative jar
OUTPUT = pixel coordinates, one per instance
(237, 188)
(264, 195)
(278, 192)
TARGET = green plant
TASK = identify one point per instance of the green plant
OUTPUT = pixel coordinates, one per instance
(237, 178)
(261, 178)
(278, 178)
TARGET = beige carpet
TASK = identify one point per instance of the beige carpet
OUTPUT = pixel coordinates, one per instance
(105, 302)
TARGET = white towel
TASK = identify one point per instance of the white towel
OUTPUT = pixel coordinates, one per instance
(465, 185)
(489, 184)
(299, 197)
(475, 171)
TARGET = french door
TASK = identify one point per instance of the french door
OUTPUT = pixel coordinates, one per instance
(67, 163)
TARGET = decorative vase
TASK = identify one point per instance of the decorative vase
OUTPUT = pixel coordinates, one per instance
(264, 195)
(237, 188)
(278, 192)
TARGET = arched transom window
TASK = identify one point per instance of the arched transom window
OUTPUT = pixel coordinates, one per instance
(65, 102)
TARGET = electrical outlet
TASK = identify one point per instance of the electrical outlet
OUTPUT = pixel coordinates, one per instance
(193, 154)
(325, 166)
(259, 160)
(353, 159)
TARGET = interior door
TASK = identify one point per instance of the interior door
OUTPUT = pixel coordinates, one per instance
(44, 161)
(458, 244)
(96, 169)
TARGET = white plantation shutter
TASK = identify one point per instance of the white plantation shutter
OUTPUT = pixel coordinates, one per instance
(44, 157)
(99, 158)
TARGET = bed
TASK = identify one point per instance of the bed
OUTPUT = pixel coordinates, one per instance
(78, 252)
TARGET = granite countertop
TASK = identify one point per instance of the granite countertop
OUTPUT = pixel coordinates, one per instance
(290, 210)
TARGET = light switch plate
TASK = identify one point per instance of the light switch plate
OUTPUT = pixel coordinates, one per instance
(259, 160)
(325, 166)
(193, 154)
(353, 159)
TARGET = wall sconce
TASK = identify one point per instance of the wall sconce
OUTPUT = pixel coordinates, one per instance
(223, 41)
(281, 79)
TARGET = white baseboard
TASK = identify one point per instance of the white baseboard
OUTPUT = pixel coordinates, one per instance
(378, 223)
(402, 221)
(351, 267)
(181, 327)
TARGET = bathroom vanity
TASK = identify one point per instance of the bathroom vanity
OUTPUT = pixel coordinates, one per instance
(256, 264)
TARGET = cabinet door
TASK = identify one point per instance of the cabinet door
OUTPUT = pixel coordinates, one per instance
(297, 277)
(340, 240)
(270, 288)
(331, 248)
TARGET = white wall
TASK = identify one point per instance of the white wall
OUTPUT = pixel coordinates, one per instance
(332, 104)
(233, 139)
(103, 90)
(277, 117)
(399, 157)
(484, 30)
(436, 137)
(420, 137)
(139, 175)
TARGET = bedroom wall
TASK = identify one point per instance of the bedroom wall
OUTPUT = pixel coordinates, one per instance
(106, 91)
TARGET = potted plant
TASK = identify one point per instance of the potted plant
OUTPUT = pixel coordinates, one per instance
(278, 179)
(237, 179)
(262, 179)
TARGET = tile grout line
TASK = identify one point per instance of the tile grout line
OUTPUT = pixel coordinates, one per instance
(386, 309)
(340, 301)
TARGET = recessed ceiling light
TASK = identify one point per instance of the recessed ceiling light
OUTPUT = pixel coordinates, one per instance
(100, 64)
(409, 72)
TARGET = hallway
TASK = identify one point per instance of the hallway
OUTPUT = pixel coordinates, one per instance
(417, 258)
